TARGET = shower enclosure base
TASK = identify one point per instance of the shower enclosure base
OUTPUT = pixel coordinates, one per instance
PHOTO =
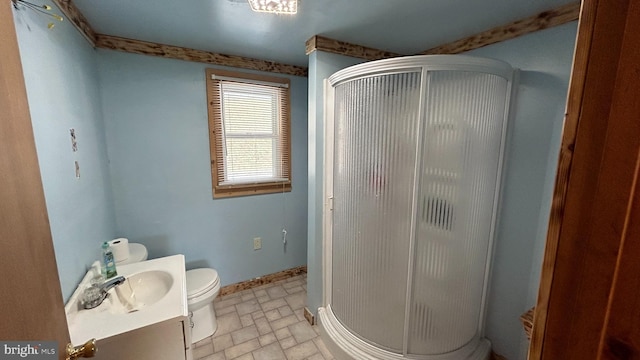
(346, 346)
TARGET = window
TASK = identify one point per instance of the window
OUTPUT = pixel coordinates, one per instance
(249, 133)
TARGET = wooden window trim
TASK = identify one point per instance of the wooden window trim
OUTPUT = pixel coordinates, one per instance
(215, 139)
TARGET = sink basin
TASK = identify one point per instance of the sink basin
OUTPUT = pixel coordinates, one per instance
(140, 290)
(154, 292)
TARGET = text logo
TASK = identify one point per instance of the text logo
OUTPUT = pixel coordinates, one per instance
(28, 350)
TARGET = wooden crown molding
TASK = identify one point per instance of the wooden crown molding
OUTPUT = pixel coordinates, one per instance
(169, 51)
(181, 53)
(544, 20)
(78, 20)
(322, 43)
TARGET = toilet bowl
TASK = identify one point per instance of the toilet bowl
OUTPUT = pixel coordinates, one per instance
(203, 285)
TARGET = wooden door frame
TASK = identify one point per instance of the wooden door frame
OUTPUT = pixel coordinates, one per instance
(32, 306)
(594, 185)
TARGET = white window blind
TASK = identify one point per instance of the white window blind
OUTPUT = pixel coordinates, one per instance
(251, 136)
(251, 130)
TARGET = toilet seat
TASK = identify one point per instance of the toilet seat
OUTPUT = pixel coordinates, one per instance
(201, 281)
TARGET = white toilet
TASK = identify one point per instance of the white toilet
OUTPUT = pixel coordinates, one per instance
(137, 253)
(203, 285)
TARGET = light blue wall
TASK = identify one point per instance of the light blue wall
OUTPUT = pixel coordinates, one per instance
(156, 123)
(544, 58)
(321, 66)
(61, 76)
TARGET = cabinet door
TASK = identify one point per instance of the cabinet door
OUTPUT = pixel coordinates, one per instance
(164, 341)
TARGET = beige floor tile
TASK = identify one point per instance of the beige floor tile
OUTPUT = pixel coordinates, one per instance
(302, 332)
(248, 307)
(226, 310)
(263, 326)
(272, 314)
(226, 301)
(264, 323)
(246, 320)
(297, 300)
(269, 352)
(263, 299)
(202, 351)
(204, 341)
(244, 334)
(273, 304)
(294, 289)
(317, 356)
(216, 356)
(283, 333)
(227, 323)
(247, 295)
(285, 321)
(322, 347)
(257, 314)
(277, 292)
(301, 351)
(222, 342)
(267, 339)
(288, 342)
(300, 315)
(293, 282)
(245, 357)
(285, 311)
(241, 349)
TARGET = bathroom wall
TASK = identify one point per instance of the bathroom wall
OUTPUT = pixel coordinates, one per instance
(544, 59)
(61, 77)
(321, 66)
(156, 124)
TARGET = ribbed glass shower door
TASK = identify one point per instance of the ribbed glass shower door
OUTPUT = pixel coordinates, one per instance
(374, 170)
(416, 164)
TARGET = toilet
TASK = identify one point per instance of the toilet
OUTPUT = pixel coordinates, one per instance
(203, 285)
(137, 253)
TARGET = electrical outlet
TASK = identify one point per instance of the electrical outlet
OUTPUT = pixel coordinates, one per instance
(257, 243)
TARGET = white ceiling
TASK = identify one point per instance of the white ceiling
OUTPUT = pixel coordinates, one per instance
(230, 27)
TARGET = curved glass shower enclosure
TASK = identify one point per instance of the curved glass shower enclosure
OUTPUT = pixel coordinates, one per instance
(414, 150)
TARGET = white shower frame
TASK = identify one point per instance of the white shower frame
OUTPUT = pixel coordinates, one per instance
(343, 344)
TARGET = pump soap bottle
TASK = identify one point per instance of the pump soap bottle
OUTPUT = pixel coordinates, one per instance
(109, 262)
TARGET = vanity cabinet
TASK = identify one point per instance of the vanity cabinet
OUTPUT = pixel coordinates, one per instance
(169, 340)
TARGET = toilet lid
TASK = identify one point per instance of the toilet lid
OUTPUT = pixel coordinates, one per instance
(199, 281)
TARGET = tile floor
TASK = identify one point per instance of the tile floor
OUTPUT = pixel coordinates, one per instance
(264, 323)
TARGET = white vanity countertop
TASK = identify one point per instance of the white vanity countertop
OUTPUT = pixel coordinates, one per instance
(101, 322)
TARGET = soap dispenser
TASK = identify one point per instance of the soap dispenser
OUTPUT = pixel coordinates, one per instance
(108, 261)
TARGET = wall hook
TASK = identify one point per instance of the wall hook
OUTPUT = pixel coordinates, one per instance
(41, 9)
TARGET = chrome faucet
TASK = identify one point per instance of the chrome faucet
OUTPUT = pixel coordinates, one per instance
(109, 284)
(95, 295)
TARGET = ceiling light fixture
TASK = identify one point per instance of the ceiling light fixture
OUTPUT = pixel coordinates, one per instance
(275, 6)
